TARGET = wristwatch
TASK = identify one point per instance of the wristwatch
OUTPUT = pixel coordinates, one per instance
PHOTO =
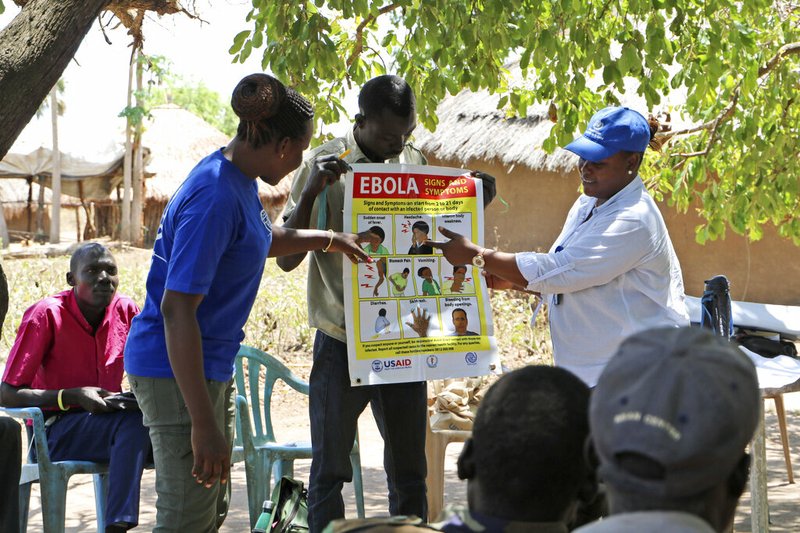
(478, 260)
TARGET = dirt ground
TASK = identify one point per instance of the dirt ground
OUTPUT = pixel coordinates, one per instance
(783, 497)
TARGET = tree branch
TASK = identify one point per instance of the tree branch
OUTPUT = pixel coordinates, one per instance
(162, 7)
(39, 43)
(359, 40)
(711, 124)
(784, 51)
(715, 125)
(37, 46)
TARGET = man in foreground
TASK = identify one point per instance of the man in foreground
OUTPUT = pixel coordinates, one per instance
(524, 463)
(670, 419)
(67, 359)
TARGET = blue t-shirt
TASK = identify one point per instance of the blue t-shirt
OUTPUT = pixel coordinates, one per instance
(213, 240)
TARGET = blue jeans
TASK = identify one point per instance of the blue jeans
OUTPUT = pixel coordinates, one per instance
(400, 412)
(118, 438)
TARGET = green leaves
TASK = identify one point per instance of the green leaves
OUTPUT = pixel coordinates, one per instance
(689, 58)
(238, 41)
(630, 62)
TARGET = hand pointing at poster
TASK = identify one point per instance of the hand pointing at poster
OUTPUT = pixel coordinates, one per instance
(458, 250)
(503, 265)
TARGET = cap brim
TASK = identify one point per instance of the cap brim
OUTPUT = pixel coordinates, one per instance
(589, 150)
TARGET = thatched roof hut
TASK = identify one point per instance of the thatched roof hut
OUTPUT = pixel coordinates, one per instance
(536, 189)
(471, 128)
(178, 139)
(80, 178)
(25, 185)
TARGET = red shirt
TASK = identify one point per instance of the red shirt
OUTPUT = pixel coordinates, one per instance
(56, 349)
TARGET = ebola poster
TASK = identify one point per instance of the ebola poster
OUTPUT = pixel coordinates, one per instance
(411, 315)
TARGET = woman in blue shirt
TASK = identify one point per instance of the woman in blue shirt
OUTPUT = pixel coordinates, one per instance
(207, 264)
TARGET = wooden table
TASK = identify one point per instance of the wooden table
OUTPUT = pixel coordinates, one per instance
(759, 514)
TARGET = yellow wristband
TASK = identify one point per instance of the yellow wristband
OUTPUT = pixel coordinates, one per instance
(61, 400)
(330, 241)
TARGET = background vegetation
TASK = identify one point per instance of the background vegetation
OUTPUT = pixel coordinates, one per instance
(278, 323)
(723, 73)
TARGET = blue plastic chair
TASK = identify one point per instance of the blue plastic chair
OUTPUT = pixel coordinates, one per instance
(263, 456)
(53, 477)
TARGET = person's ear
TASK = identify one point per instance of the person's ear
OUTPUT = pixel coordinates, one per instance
(360, 120)
(466, 461)
(590, 454)
(70, 279)
(634, 161)
(282, 146)
(587, 492)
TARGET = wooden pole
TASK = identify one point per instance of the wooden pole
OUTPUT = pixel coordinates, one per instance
(125, 221)
(40, 236)
(55, 181)
(138, 163)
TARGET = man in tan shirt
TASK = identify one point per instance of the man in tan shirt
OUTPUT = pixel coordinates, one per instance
(383, 126)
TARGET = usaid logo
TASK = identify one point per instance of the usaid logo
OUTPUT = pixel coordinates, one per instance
(390, 364)
(396, 364)
(432, 361)
(471, 358)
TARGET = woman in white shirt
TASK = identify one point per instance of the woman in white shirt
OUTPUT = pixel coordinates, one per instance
(612, 271)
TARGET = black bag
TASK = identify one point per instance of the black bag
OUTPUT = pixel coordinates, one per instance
(765, 347)
(715, 304)
(291, 507)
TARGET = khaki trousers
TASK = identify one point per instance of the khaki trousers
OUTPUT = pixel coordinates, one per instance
(183, 504)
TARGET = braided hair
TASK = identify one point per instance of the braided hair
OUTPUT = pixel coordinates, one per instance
(269, 110)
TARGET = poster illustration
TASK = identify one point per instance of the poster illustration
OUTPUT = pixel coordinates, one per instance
(411, 315)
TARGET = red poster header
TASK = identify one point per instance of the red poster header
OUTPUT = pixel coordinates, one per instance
(429, 187)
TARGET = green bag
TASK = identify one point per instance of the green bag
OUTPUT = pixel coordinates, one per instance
(291, 507)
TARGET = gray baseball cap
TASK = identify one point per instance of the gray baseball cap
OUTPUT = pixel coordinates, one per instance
(686, 400)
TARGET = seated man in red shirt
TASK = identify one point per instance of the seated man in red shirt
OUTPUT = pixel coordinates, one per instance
(66, 359)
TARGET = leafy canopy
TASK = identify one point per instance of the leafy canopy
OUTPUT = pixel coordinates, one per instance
(734, 61)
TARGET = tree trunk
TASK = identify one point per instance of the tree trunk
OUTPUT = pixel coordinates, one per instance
(127, 164)
(138, 164)
(55, 176)
(35, 48)
(40, 235)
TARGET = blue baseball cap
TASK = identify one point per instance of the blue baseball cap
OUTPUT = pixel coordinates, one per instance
(612, 130)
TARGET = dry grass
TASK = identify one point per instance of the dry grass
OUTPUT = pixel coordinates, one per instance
(278, 323)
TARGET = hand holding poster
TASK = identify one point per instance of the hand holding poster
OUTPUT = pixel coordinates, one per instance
(411, 315)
